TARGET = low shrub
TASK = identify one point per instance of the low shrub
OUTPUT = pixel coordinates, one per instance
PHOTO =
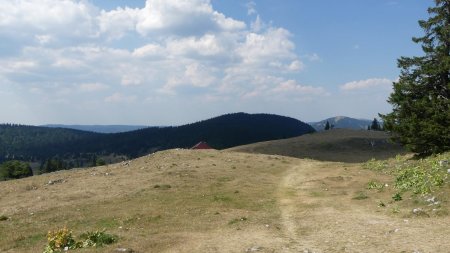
(62, 240)
(419, 176)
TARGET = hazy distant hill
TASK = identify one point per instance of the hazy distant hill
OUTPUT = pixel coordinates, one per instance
(342, 122)
(107, 129)
(33, 143)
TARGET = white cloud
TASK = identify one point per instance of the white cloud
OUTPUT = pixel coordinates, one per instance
(92, 87)
(293, 88)
(251, 8)
(116, 23)
(366, 84)
(149, 50)
(45, 18)
(119, 98)
(206, 45)
(70, 50)
(314, 57)
(188, 17)
(273, 44)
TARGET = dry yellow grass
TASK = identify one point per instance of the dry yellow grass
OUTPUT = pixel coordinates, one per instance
(219, 201)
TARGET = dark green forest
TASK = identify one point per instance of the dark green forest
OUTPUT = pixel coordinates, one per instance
(67, 148)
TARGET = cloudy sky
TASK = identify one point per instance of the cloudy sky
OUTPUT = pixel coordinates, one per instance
(170, 62)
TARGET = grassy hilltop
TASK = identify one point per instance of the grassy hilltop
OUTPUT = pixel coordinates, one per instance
(227, 201)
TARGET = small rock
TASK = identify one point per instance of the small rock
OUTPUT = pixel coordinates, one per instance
(432, 199)
(443, 163)
(254, 249)
(448, 171)
(267, 225)
(124, 250)
(417, 210)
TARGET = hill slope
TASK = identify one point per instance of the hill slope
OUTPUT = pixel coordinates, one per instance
(40, 143)
(220, 201)
(342, 122)
(343, 145)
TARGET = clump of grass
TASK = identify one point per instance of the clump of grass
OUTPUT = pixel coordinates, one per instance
(234, 221)
(3, 218)
(373, 184)
(221, 198)
(397, 197)
(163, 186)
(376, 165)
(97, 239)
(361, 196)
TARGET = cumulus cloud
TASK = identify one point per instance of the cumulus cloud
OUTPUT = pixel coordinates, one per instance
(187, 17)
(293, 87)
(92, 87)
(178, 47)
(366, 84)
(119, 97)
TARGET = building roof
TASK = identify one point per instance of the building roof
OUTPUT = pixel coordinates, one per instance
(202, 145)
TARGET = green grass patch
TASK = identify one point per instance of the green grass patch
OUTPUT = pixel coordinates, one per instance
(361, 196)
(24, 241)
(422, 176)
(237, 220)
(221, 198)
(374, 185)
(107, 223)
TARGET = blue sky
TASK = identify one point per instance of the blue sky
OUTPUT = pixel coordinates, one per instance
(173, 62)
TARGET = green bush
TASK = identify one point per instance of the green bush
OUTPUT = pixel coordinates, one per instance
(97, 239)
(15, 170)
(62, 240)
(419, 176)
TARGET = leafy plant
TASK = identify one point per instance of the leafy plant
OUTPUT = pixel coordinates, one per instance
(419, 176)
(60, 240)
(397, 197)
(376, 165)
(374, 185)
(97, 239)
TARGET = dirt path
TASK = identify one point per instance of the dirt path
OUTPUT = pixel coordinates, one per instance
(319, 214)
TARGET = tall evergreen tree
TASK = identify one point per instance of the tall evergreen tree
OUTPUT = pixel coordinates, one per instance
(375, 125)
(421, 108)
(327, 126)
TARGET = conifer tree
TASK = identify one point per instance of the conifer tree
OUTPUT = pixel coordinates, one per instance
(327, 126)
(421, 108)
(375, 125)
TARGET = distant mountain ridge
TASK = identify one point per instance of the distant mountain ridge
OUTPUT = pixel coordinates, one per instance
(32, 143)
(342, 122)
(106, 129)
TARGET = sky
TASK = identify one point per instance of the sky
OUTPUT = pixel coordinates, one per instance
(172, 62)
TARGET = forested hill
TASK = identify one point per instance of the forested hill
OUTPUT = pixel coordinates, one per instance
(31, 143)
